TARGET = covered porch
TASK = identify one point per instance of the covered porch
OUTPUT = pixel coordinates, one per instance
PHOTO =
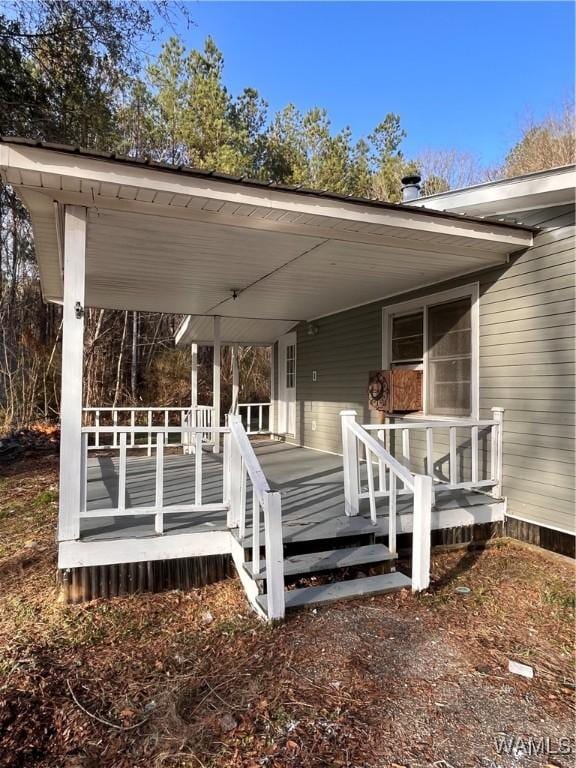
(241, 258)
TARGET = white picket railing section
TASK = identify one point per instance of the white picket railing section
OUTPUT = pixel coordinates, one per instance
(101, 418)
(241, 464)
(447, 471)
(394, 478)
(159, 436)
(255, 414)
(201, 416)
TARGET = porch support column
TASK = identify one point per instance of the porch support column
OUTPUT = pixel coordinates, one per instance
(191, 419)
(71, 454)
(235, 379)
(216, 383)
(194, 377)
(272, 426)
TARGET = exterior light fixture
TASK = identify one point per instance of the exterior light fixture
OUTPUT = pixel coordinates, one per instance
(312, 329)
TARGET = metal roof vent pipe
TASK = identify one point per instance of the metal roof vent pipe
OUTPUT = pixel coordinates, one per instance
(411, 187)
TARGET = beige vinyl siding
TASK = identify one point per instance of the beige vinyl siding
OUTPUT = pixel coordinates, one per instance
(527, 356)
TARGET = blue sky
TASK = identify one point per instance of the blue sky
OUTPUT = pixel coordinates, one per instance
(460, 74)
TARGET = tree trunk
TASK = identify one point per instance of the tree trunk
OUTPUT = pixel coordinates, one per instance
(119, 366)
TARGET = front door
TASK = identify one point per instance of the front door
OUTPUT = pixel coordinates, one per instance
(287, 384)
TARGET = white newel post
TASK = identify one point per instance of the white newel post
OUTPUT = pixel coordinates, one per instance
(497, 450)
(235, 481)
(421, 532)
(71, 474)
(216, 383)
(274, 555)
(350, 458)
(235, 379)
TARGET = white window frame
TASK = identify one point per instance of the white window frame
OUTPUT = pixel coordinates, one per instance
(471, 291)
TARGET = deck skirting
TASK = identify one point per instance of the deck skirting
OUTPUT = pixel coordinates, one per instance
(561, 542)
(78, 585)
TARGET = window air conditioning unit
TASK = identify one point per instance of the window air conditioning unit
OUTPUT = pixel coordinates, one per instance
(398, 390)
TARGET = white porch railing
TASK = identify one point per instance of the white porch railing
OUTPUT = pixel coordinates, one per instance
(101, 418)
(255, 417)
(239, 463)
(393, 478)
(466, 465)
(242, 463)
(201, 416)
(159, 436)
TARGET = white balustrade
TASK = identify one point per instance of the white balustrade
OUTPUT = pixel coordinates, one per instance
(448, 470)
(265, 507)
(391, 472)
(253, 414)
(159, 437)
(101, 418)
(240, 467)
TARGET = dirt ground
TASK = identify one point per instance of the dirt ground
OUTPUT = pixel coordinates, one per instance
(195, 679)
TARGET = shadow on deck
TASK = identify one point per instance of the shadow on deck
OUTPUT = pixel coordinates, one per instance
(311, 484)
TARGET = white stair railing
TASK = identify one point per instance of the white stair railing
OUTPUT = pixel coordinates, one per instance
(393, 478)
(242, 464)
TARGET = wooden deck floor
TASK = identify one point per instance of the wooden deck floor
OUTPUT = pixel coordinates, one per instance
(311, 484)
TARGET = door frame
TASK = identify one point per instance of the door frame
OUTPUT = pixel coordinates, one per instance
(283, 342)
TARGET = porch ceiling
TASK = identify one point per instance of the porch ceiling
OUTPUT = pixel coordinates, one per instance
(233, 330)
(172, 241)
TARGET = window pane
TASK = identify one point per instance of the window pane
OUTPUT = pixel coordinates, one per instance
(290, 366)
(408, 337)
(407, 349)
(449, 329)
(450, 387)
(449, 358)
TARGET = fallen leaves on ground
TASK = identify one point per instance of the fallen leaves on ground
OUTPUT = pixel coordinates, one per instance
(195, 679)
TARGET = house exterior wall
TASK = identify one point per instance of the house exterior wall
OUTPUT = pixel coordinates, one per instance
(526, 356)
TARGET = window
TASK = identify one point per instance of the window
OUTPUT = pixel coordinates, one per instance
(437, 337)
(290, 366)
(408, 340)
(449, 358)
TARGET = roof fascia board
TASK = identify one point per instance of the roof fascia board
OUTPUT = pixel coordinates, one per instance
(506, 191)
(47, 161)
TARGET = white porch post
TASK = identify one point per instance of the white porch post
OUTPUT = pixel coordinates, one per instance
(192, 419)
(272, 426)
(497, 452)
(194, 378)
(71, 492)
(235, 379)
(350, 459)
(216, 383)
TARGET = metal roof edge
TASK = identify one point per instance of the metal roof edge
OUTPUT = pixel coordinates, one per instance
(270, 185)
(495, 182)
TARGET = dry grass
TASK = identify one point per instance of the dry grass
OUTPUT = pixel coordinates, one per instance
(194, 679)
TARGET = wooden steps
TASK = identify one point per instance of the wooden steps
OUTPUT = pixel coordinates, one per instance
(311, 530)
(354, 555)
(341, 590)
(327, 561)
